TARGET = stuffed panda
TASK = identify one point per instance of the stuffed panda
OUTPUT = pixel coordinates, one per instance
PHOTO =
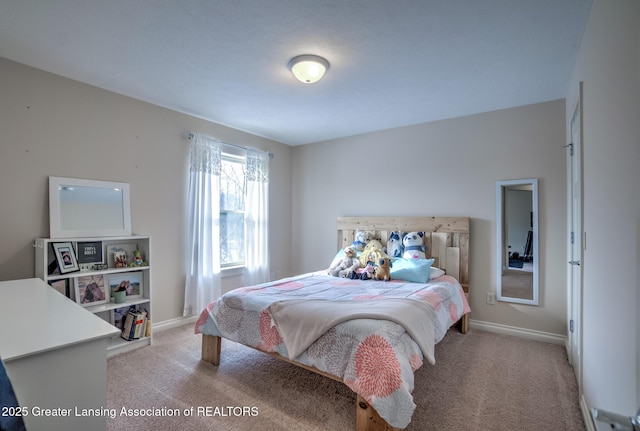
(413, 243)
(394, 244)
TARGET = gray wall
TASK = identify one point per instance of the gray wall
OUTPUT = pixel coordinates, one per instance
(609, 65)
(444, 168)
(50, 125)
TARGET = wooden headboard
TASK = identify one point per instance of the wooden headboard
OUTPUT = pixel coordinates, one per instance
(446, 238)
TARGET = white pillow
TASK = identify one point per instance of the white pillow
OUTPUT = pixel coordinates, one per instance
(435, 273)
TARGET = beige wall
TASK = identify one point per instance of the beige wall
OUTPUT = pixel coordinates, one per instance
(609, 66)
(444, 168)
(50, 125)
(54, 126)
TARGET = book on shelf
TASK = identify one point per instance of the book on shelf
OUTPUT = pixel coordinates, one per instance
(134, 325)
(120, 315)
(140, 324)
(128, 324)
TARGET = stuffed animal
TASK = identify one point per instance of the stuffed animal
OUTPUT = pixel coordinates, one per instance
(369, 259)
(383, 271)
(360, 240)
(394, 244)
(372, 252)
(365, 273)
(413, 243)
(345, 266)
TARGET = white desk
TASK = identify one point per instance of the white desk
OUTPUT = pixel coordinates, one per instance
(55, 353)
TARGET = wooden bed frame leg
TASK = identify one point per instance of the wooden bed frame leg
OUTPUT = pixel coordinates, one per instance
(464, 324)
(464, 320)
(367, 419)
(211, 349)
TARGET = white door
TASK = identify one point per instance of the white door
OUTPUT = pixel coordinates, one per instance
(574, 279)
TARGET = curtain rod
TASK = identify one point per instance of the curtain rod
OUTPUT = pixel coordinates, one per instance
(190, 135)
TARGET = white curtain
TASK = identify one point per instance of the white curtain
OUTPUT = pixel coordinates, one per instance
(256, 218)
(203, 225)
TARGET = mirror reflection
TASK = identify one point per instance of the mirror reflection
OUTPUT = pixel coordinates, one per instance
(517, 241)
(86, 208)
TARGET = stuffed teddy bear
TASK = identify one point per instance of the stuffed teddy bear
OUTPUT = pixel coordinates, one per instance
(345, 266)
(394, 244)
(413, 245)
(383, 271)
(361, 240)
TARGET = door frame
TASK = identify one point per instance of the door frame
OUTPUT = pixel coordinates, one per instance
(575, 229)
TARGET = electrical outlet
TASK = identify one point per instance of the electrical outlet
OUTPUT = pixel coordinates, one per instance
(491, 298)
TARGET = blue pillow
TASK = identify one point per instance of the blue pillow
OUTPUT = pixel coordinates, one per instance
(414, 270)
(340, 254)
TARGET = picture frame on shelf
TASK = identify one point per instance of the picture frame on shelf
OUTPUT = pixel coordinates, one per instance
(120, 259)
(90, 290)
(89, 253)
(132, 281)
(65, 257)
(120, 254)
(61, 286)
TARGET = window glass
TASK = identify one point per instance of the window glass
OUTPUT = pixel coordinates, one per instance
(232, 192)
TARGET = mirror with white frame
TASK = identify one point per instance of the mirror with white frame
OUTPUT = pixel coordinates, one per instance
(517, 241)
(88, 208)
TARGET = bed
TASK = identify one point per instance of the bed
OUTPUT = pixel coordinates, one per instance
(370, 335)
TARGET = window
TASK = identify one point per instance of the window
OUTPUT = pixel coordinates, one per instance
(232, 193)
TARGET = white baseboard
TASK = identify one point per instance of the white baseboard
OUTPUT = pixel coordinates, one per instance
(531, 334)
(586, 415)
(174, 323)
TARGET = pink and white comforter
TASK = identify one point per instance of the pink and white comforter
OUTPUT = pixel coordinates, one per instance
(376, 358)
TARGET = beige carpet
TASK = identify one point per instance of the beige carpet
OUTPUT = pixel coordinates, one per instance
(517, 284)
(481, 381)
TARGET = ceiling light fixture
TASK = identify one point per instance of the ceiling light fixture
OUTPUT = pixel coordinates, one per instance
(308, 68)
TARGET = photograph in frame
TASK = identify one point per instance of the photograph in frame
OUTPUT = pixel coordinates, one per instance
(120, 259)
(90, 290)
(61, 286)
(132, 282)
(116, 252)
(89, 253)
(65, 257)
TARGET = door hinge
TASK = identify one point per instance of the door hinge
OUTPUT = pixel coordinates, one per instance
(572, 238)
(570, 146)
(571, 325)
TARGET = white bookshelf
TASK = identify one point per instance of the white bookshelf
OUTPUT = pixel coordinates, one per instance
(47, 270)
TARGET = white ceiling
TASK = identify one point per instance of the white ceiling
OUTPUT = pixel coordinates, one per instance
(393, 62)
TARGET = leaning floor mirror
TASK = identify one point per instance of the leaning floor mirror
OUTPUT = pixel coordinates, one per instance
(517, 241)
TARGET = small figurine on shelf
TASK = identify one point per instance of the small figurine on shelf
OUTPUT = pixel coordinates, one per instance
(137, 259)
